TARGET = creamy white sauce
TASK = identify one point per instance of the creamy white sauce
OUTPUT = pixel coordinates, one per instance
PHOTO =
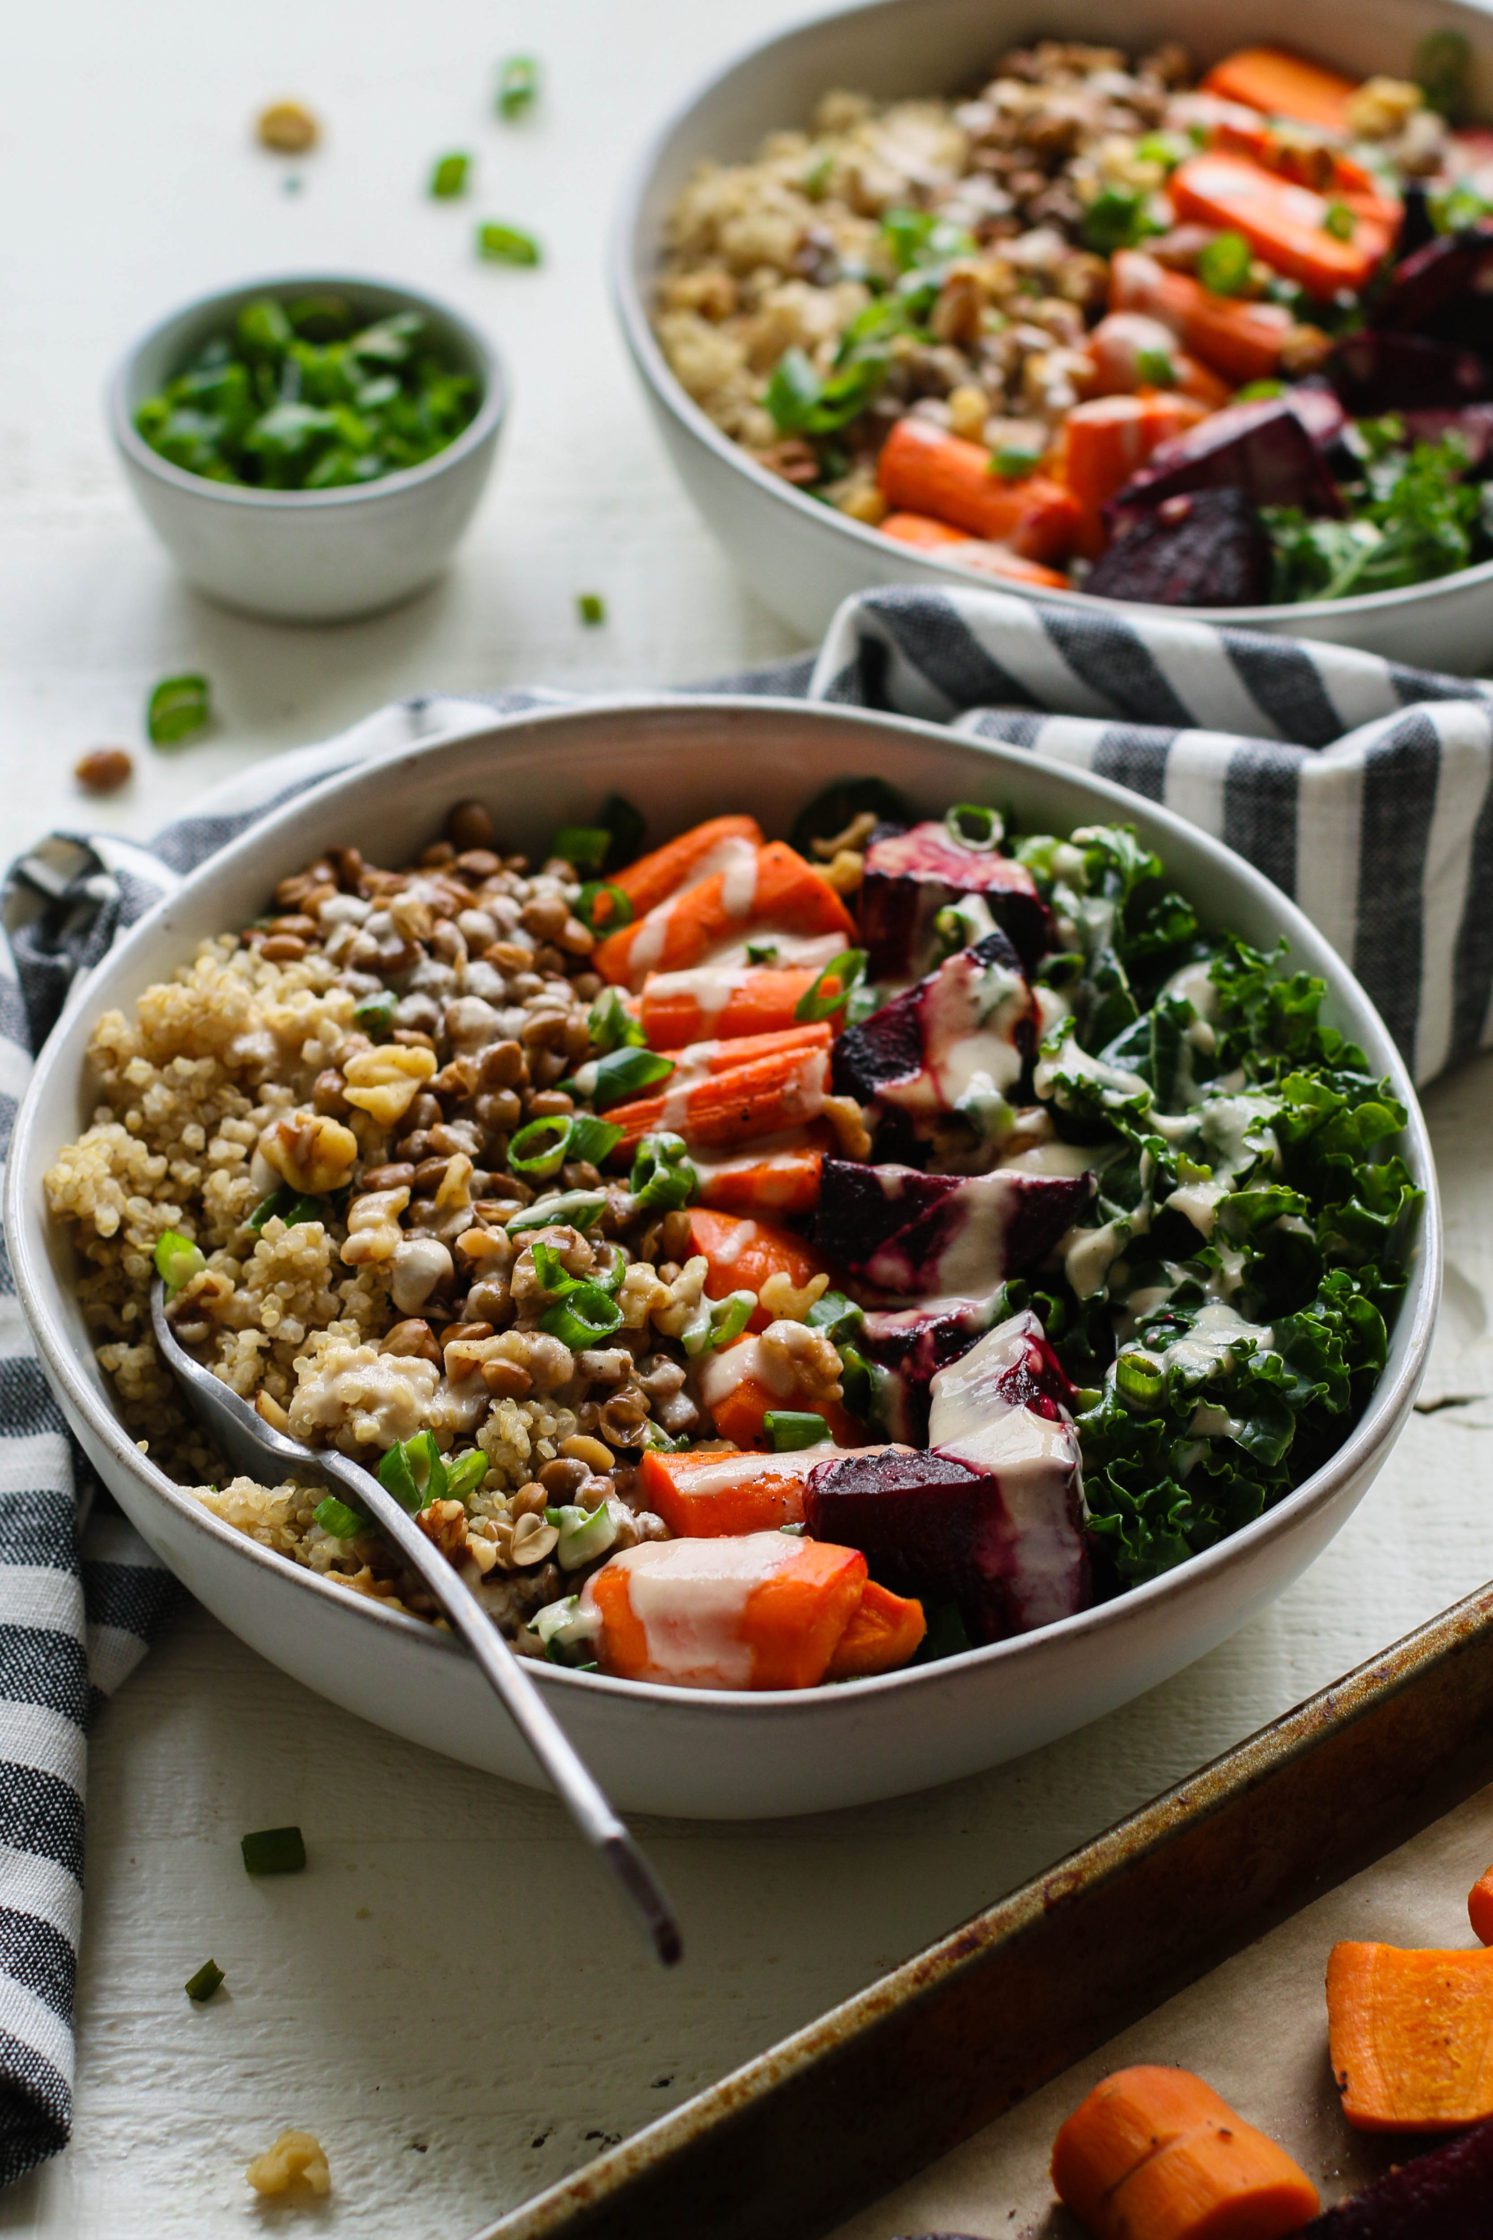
(1214, 1338)
(690, 1596)
(1050, 1158)
(719, 1474)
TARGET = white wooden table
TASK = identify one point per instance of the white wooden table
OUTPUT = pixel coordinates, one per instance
(445, 1997)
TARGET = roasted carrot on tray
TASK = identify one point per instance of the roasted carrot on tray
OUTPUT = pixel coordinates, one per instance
(1411, 2036)
(774, 887)
(1283, 85)
(924, 469)
(682, 860)
(1155, 2154)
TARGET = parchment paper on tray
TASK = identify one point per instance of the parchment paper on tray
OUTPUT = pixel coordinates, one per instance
(1256, 2028)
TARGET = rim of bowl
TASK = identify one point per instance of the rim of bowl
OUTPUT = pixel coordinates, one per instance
(487, 419)
(659, 376)
(1388, 1403)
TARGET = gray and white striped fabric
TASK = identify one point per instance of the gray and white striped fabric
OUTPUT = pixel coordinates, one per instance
(1362, 788)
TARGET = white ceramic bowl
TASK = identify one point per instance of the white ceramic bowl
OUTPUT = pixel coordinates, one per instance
(663, 1749)
(799, 556)
(309, 555)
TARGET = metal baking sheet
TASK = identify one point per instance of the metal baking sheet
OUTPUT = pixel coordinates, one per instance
(833, 2118)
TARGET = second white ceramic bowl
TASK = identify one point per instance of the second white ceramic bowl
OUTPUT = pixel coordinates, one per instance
(309, 555)
(802, 558)
(671, 1749)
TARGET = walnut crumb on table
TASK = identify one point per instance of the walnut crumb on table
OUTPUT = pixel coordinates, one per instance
(295, 2164)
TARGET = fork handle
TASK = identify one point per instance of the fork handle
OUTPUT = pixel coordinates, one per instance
(504, 1673)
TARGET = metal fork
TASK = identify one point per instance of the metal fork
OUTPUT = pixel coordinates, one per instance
(248, 1443)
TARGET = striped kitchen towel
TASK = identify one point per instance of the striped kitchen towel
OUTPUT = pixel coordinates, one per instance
(1362, 788)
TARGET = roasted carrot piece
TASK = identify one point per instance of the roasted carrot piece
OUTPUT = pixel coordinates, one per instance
(759, 1610)
(1106, 440)
(1284, 223)
(1283, 85)
(1155, 2154)
(923, 469)
(776, 888)
(1329, 171)
(726, 1054)
(1118, 349)
(702, 1495)
(654, 877)
(886, 1631)
(1480, 1907)
(1411, 2036)
(782, 1180)
(742, 1254)
(740, 1384)
(1241, 339)
(927, 535)
(678, 1006)
(761, 1098)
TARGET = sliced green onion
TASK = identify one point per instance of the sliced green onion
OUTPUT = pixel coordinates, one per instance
(591, 607)
(975, 826)
(577, 1209)
(791, 1428)
(1140, 1377)
(1013, 462)
(274, 1851)
(609, 1278)
(465, 1474)
(622, 1073)
(583, 1317)
(1339, 221)
(663, 1175)
(618, 911)
(625, 824)
(1156, 368)
(834, 1314)
(518, 86)
(858, 1381)
(593, 1140)
(584, 846)
(1223, 264)
(584, 1534)
(551, 1270)
(414, 1473)
(500, 244)
(178, 708)
(338, 1518)
(449, 177)
(761, 952)
(200, 1987)
(612, 1025)
(718, 1322)
(655, 1436)
(285, 1205)
(540, 1146)
(177, 1259)
(375, 1014)
(1255, 390)
(830, 991)
(564, 1625)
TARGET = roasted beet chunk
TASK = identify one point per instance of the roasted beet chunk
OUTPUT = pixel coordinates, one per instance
(1444, 293)
(1385, 372)
(993, 1515)
(1271, 450)
(923, 1236)
(963, 1035)
(1472, 424)
(1205, 549)
(911, 1344)
(910, 876)
(1446, 2195)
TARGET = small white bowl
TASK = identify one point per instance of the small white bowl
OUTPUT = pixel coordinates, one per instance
(801, 557)
(309, 555)
(687, 1750)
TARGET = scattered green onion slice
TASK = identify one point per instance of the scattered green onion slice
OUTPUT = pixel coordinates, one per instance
(663, 1175)
(1223, 264)
(583, 1317)
(618, 911)
(577, 1209)
(274, 1851)
(584, 846)
(1140, 1377)
(834, 1314)
(719, 1323)
(465, 1474)
(622, 1073)
(501, 244)
(1013, 462)
(592, 1139)
(625, 824)
(973, 825)
(1339, 221)
(178, 708)
(564, 1625)
(584, 1534)
(287, 1206)
(338, 1518)
(831, 989)
(613, 1026)
(449, 176)
(1157, 368)
(761, 952)
(200, 1987)
(375, 1014)
(591, 607)
(413, 1472)
(540, 1145)
(177, 1259)
(791, 1428)
(518, 86)
(858, 1381)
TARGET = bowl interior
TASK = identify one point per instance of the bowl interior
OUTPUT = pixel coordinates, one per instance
(678, 761)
